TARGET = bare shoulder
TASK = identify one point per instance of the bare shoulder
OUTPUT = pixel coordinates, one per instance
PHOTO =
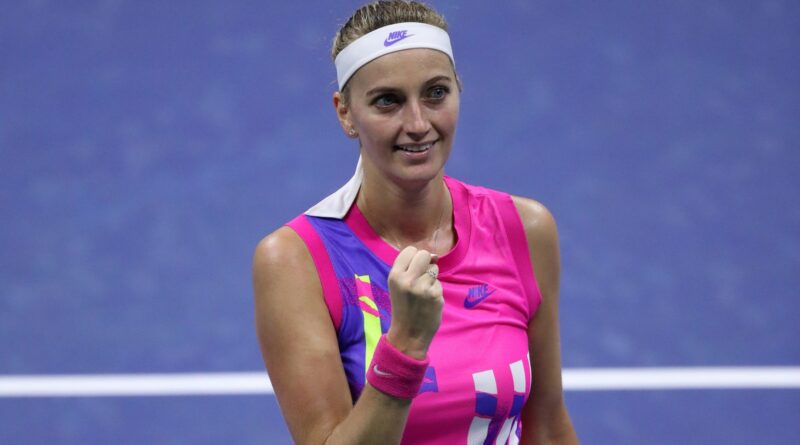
(283, 279)
(288, 294)
(280, 250)
(542, 234)
(539, 223)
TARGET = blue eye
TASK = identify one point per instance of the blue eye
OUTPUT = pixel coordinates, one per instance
(387, 100)
(438, 92)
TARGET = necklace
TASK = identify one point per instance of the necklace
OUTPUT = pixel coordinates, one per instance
(396, 244)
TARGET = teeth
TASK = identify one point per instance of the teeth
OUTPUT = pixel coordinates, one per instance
(415, 148)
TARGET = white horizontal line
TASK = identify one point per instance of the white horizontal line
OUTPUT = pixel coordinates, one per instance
(611, 379)
(98, 385)
(243, 383)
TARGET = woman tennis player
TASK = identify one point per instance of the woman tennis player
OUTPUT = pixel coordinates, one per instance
(409, 307)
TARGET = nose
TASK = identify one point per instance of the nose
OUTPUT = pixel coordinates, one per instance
(415, 120)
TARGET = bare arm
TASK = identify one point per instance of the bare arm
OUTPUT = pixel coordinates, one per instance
(545, 419)
(300, 349)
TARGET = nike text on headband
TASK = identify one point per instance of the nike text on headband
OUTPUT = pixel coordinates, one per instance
(382, 41)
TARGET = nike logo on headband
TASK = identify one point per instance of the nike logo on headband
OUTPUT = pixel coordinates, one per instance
(395, 37)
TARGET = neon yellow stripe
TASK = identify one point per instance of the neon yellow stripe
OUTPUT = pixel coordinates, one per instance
(372, 333)
(369, 302)
(372, 325)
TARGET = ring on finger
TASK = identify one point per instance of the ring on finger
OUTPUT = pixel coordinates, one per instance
(432, 272)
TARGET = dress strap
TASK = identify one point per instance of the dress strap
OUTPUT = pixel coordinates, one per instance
(327, 276)
(518, 242)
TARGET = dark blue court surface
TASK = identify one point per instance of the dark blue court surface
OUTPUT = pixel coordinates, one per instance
(146, 147)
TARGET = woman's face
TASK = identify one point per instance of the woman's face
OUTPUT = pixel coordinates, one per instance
(404, 106)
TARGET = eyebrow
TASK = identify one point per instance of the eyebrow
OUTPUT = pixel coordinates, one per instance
(384, 89)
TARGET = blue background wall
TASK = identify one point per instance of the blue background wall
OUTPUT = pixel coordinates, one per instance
(145, 147)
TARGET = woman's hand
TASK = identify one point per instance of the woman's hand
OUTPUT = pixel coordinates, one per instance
(417, 301)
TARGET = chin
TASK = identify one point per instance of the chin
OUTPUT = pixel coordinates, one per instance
(419, 175)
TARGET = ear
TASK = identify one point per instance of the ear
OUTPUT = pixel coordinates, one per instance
(343, 113)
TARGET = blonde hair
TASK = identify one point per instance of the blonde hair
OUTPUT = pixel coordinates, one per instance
(382, 13)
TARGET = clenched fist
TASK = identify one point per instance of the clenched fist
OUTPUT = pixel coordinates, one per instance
(417, 301)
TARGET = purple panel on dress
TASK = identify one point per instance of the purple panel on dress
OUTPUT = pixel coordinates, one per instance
(485, 404)
(429, 383)
(516, 407)
(358, 260)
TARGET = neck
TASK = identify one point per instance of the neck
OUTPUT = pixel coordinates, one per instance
(419, 216)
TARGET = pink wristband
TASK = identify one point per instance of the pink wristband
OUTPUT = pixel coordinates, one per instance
(394, 373)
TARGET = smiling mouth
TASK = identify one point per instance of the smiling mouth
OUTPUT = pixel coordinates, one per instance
(415, 148)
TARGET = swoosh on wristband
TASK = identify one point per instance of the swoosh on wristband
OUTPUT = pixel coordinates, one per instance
(381, 373)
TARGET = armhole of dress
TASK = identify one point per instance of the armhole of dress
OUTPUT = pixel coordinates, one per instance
(327, 277)
(518, 242)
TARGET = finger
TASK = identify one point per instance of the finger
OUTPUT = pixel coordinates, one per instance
(404, 258)
(437, 289)
(434, 258)
(428, 287)
(431, 274)
(420, 263)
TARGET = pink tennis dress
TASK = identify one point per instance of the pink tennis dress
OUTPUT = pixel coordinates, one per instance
(479, 375)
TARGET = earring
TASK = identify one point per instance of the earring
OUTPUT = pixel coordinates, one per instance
(352, 132)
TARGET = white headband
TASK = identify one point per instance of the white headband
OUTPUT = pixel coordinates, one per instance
(387, 40)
